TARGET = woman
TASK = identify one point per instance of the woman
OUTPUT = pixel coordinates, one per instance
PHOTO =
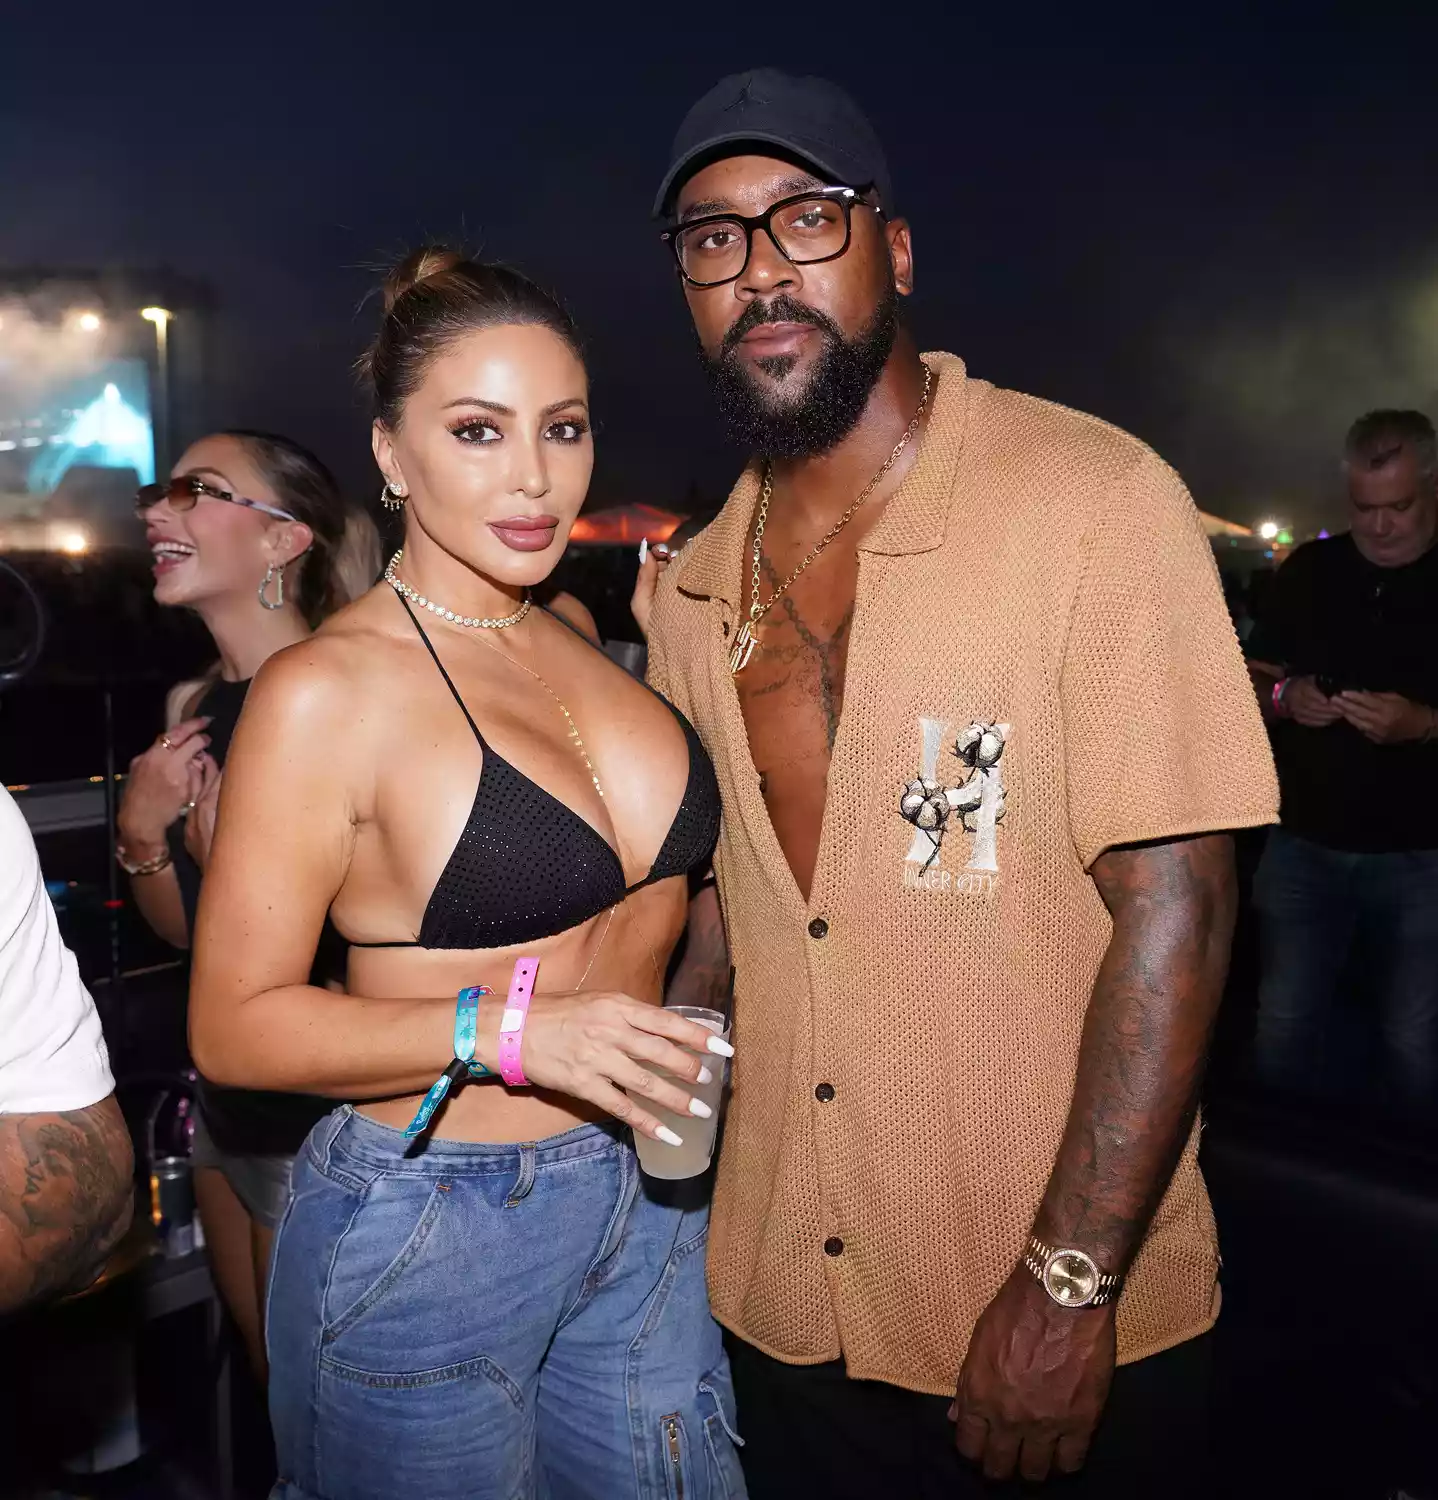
(250, 532)
(498, 1308)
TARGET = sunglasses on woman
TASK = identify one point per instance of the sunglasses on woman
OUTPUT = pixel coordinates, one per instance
(184, 492)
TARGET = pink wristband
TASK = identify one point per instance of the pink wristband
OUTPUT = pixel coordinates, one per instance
(1279, 688)
(511, 1025)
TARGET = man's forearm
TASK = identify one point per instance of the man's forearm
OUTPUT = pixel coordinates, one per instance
(66, 1196)
(1145, 1043)
(702, 977)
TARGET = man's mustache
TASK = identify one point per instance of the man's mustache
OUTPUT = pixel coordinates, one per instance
(781, 309)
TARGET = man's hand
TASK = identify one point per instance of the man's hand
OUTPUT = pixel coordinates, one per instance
(1034, 1382)
(1305, 703)
(1384, 718)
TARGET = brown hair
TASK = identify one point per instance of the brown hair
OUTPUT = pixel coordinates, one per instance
(436, 295)
(307, 489)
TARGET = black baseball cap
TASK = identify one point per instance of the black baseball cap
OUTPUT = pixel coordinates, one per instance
(810, 118)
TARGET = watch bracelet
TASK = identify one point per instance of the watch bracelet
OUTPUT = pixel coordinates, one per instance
(1037, 1256)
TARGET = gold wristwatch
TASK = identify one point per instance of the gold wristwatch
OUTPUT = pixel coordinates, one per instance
(1071, 1277)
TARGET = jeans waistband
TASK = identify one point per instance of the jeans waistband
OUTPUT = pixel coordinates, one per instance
(361, 1139)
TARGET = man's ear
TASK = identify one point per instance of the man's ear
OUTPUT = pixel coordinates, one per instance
(901, 255)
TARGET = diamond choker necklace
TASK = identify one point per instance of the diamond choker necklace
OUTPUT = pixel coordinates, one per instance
(391, 577)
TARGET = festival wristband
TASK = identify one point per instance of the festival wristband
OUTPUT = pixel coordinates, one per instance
(511, 1026)
(1279, 688)
(466, 1029)
(466, 1026)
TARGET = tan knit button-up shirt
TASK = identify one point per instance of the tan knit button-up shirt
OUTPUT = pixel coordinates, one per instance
(1040, 642)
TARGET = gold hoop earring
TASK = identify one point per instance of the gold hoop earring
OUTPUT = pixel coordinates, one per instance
(278, 576)
(392, 497)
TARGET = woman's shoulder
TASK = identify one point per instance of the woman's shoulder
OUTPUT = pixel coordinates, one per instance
(339, 671)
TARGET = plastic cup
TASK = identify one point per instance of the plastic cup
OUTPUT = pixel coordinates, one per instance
(672, 1163)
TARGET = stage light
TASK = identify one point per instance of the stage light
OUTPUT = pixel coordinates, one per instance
(72, 541)
(89, 322)
(1268, 530)
(159, 316)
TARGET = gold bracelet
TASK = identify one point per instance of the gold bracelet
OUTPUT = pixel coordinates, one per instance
(153, 866)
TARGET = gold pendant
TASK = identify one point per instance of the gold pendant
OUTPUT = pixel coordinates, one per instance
(743, 648)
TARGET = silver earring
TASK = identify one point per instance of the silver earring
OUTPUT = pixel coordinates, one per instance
(392, 497)
(278, 575)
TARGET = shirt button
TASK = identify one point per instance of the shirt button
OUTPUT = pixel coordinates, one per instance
(824, 1092)
(833, 1245)
(818, 928)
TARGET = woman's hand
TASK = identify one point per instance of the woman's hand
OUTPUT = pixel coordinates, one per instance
(205, 797)
(641, 602)
(160, 786)
(593, 1046)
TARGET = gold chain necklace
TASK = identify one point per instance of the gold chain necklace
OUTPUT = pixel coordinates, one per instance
(747, 638)
(475, 622)
(568, 717)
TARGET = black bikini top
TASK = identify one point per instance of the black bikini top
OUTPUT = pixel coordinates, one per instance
(527, 867)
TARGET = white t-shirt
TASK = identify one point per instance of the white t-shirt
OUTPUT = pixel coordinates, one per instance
(52, 1050)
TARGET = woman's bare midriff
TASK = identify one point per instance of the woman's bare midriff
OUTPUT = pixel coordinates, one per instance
(629, 952)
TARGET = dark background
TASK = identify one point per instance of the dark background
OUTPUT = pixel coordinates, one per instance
(1214, 225)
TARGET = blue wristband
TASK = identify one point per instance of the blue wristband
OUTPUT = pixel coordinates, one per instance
(466, 1030)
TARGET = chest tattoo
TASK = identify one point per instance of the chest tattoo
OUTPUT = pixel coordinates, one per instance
(829, 656)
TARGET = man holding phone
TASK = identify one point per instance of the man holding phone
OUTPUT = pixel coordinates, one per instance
(1346, 666)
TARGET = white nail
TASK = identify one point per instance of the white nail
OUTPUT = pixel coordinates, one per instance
(705, 1076)
(719, 1045)
(643, 551)
(698, 1107)
(668, 1137)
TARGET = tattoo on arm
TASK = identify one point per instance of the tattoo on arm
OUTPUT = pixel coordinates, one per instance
(1145, 1042)
(829, 656)
(66, 1196)
(703, 973)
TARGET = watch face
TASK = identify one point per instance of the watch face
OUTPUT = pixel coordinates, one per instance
(1071, 1278)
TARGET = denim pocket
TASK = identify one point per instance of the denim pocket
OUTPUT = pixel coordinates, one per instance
(713, 1473)
(721, 1438)
(385, 1237)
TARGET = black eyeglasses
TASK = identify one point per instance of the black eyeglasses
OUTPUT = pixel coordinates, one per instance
(183, 494)
(806, 229)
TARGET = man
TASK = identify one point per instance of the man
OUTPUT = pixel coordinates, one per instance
(977, 756)
(1345, 656)
(66, 1186)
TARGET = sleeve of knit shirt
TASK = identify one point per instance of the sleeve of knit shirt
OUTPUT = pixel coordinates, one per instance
(1162, 734)
(52, 1050)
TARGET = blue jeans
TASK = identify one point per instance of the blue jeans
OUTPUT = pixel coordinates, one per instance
(1317, 908)
(513, 1322)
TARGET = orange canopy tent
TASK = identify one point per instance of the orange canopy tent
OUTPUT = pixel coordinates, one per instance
(624, 526)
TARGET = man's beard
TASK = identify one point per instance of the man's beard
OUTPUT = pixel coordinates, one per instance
(817, 415)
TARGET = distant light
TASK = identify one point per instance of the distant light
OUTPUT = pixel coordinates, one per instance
(89, 322)
(1268, 530)
(1268, 552)
(1323, 534)
(1285, 538)
(157, 315)
(72, 541)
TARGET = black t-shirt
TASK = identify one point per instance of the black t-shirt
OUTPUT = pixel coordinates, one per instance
(249, 1121)
(1332, 613)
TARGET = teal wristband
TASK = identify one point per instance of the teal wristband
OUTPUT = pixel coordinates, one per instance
(466, 1031)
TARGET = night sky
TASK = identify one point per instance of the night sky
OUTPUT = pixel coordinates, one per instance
(1217, 228)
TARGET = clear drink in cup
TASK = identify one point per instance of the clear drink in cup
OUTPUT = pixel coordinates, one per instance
(693, 1157)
